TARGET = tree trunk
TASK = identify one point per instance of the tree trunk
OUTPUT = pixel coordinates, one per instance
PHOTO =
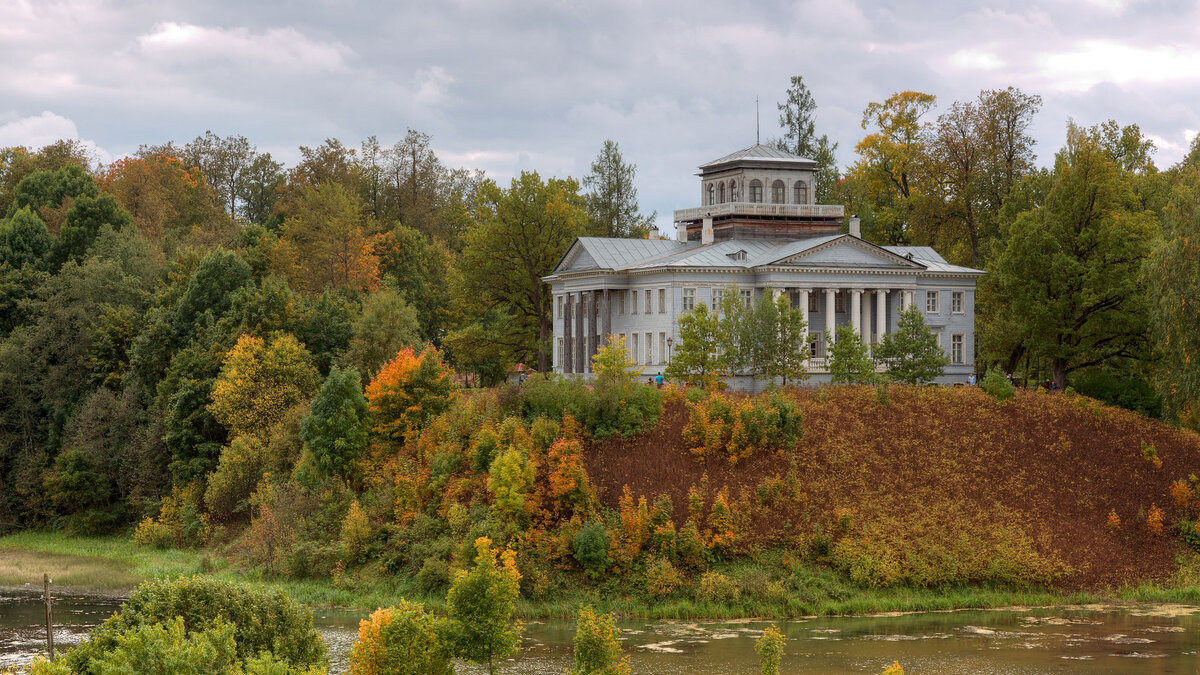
(1058, 369)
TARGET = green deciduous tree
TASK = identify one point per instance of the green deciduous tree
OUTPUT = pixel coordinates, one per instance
(386, 325)
(418, 268)
(24, 239)
(48, 189)
(612, 200)
(519, 235)
(976, 152)
(912, 351)
(1173, 276)
(849, 360)
(1069, 274)
(84, 222)
(698, 359)
(764, 339)
(335, 433)
(481, 604)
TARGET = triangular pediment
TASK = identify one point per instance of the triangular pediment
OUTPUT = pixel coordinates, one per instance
(577, 257)
(847, 251)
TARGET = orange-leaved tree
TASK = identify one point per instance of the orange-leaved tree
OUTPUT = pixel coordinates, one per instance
(409, 390)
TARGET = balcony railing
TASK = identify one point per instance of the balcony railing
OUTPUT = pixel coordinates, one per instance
(763, 210)
(820, 364)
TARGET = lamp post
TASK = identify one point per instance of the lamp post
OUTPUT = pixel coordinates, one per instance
(670, 341)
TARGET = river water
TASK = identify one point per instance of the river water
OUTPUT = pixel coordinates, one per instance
(1127, 639)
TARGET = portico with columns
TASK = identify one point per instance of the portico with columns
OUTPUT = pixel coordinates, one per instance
(638, 288)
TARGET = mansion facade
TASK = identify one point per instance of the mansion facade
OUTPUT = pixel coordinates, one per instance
(756, 230)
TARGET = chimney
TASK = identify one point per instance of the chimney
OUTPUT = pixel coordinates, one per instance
(706, 235)
(681, 233)
(855, 227)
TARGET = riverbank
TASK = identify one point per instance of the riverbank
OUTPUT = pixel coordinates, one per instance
(114, 565)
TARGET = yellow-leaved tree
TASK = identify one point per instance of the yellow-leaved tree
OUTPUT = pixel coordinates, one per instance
(259, 381)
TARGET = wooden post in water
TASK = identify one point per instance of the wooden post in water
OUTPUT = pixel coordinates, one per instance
(49, 617)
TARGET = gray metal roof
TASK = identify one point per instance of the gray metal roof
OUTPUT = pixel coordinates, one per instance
(630, 254)
(757, 152)
(931, 259)
(713, 255)
(618, 254)
(791, 248)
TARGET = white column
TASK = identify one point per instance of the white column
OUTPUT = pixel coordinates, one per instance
(804, 315)
(880, 314)
(830, 304)
(866, 318)
(856, 310)
(804, 308)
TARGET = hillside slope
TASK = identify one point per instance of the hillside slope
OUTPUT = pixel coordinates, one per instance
(935, 476)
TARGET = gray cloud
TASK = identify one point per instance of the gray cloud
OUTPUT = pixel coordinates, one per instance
(506, 86)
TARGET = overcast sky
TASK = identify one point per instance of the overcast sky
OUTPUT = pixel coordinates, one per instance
(508, 86)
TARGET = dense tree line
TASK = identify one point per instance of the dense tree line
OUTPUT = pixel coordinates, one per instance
(160, 316)
(1091, 277)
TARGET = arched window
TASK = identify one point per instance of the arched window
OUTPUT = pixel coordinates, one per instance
(756, 195)
(777, 192)
(721, 193)
(733, 190)
(801, 190)
(711, 194)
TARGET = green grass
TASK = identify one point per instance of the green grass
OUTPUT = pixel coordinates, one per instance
(115, 564)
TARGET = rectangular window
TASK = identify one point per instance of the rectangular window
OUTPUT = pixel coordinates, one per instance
(747, 297)
(816, 344)
(956, 348)
(956, 302)
(633, 347)
(718, 296)
(689, 299)
(649, 346)
(812, 302)
(839, 302)
(662, 301)
(931, 302)
(633, 296)
(648, 296)
(559, 360)
(558, 307)
(662, 348)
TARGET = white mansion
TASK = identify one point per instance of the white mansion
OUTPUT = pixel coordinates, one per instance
(757, 230)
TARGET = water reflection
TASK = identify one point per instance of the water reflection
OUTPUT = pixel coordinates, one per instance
(1073, 639)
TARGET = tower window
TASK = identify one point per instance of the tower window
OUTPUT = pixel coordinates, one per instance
(756, 191)
(733, 191)
(721, 193)
(711, 194)
(801, 192)
(777, 192)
